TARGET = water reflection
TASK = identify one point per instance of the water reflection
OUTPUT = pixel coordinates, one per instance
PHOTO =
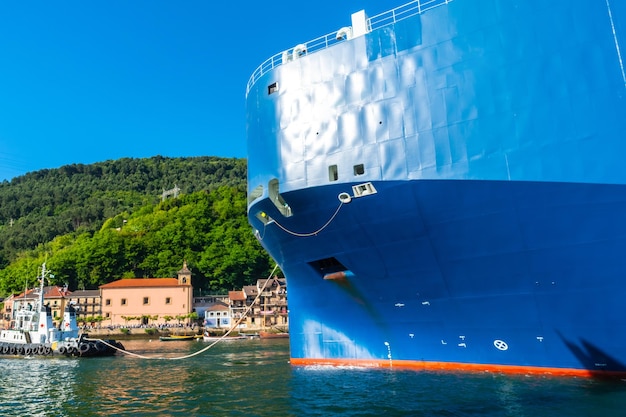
(324, 391)
(36, 386)
(225, 377)
(254, 378)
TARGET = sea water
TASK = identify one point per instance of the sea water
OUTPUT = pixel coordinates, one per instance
(254, 378)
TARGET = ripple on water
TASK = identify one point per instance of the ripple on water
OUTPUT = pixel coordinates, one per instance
(254, 378)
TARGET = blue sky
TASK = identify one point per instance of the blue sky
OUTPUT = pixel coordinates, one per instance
(88, 81)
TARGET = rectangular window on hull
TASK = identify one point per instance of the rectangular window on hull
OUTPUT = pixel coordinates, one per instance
(359, 169)
(272, 88)
(333, 174)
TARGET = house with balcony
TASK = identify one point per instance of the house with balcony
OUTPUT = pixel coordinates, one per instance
(88, 305)
(272, 304)
(238, 307)
(7, 312)
(265, 304)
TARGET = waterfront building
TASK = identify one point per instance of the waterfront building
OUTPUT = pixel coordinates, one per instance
(238, 307)
(218, 316)
(147, 301)
(267, 310)
(7, 311)
(203, 302)
(88, 305)
(163, 301)
(271, 307)
(54, 297)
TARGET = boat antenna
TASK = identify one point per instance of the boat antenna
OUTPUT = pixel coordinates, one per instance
(42, 278)
(25, 285)
(41, 285)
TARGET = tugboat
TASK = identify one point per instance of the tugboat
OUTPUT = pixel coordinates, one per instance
(32, 332)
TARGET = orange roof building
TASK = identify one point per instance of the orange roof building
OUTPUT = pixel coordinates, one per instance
(147, 300)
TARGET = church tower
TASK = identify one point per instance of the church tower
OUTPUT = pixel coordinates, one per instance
(184, 275)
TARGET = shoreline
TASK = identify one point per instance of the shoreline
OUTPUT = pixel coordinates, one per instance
(152, 332)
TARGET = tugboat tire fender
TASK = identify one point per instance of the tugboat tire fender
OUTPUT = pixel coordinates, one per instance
(62, 350)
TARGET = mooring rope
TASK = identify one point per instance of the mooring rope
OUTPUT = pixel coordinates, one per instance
(243, 316)
(341, 203)
(619, 54)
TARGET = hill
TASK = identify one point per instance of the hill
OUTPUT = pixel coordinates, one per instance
(100, 222)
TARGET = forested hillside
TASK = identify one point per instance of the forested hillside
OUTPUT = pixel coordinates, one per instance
(100, 222)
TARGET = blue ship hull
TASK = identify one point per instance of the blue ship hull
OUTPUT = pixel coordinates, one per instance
(447, 191)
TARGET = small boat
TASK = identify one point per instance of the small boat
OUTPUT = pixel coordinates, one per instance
(272, 335)
(32, 332)
(212, 337)
(222, 338)
(178, 337)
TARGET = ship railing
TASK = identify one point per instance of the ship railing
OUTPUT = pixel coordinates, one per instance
(402, 12)
(375, 22)
(288, 55)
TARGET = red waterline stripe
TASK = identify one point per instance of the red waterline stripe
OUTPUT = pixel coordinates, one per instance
(454, 366)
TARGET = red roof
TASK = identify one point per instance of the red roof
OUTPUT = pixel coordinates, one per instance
(142, 282)
(48, 292)
(236, 296)
(51, 292)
